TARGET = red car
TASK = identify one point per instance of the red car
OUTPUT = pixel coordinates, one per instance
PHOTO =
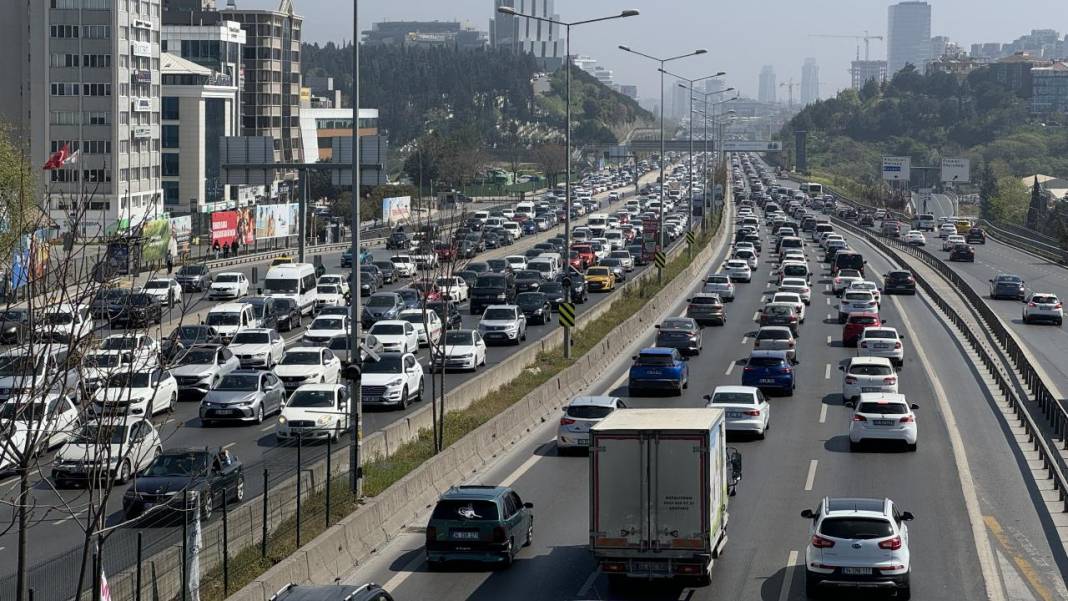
(428, 288)
(855, 325)
(575, 260)
(586, 252)
(445, 252)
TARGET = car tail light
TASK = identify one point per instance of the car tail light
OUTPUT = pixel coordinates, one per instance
(897, 345)
(566, 421)
(823, 543)
(791, 343)
(793, 319)
(753, 412)
(1032, 304)
(908, 419)
(864, 344)
(787, 370)
(859, 418)
(891, 543)
(431, 533)
(850, 380)
(890, 380)
(748, 369)
(499, 534)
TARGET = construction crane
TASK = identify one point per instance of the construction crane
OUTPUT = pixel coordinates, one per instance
(866, 37)
(790, 85)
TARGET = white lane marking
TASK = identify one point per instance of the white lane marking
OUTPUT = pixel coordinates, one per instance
(829, 339)
(827, 372)
(788, 576)
(768, 285)
(809, 480)
(827, 287)
(267, 427)
(829, 316)
(745, 340)
(586, 586)
(730, 368)
(756, 315)
(828, 299)
(987, 562)
(522, 469)
(823, 413)
(228, 445)
(406, 572)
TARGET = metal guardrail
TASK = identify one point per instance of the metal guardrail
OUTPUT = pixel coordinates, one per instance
(1053, 411)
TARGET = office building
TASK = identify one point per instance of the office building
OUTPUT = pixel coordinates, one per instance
(1014, 71)
(861, 72)
(197, 109)
(679, 98)
(766, 90)
(212, 43)
(541, 39)
(86, 75)
(810, 82)
(1049, 92)
(449, 34)
(715, 84)
(939, 45)
(630, 91)
(908, 36)
(270, 98)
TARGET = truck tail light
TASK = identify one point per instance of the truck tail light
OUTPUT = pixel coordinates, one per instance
(892, 544)
(822, 543)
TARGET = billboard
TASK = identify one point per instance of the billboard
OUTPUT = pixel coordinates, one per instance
(956, 170)
(155, 240)
(182, 232)
(275, 221)
(897, 168)
(396, 209)
(230, 227)
(29, 261)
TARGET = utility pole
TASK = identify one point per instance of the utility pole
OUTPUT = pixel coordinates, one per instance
(356, 393)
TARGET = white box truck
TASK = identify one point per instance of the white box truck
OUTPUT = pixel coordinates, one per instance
(659, 484)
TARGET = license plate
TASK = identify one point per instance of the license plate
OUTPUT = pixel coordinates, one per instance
(734, 414)
(584, 442)
(856, 571)
(869, 389)
(224, 412)
(651, 566)
(767, 380)
(883, 422)
(653, 372)
(465, 535)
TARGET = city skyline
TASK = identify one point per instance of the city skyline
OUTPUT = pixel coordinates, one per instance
(727, 32)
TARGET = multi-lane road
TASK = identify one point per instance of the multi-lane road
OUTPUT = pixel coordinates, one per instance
(58, 530)
(976, 527)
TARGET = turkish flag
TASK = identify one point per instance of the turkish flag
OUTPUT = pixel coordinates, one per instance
(57, 159)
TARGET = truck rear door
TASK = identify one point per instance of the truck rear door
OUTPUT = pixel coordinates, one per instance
(678, 489)
(620, 502)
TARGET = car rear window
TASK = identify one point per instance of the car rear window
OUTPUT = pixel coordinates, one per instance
(1044, 299)
(774, 335)
(865, 296)
(644, 359)
(466, 510)
(863, 320)
(871, 370)
(704, 300)
(856, 528)
(884, 408)
(733, 398)
(764, 362)
(588, 411)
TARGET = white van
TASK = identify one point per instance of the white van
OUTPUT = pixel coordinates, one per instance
(230, 318)
(293, 280)
(525, 208)
(615, 239)
(513, 228)
(482, 216)
(554, 260)
(597, 220)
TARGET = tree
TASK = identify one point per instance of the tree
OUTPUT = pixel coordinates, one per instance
(1036, 210)
(1010, 203)
(550, 158)
(988, 188)
(424, 163)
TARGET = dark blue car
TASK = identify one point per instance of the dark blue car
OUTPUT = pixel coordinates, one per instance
(770, 370)
(658, 369)
(529, 227)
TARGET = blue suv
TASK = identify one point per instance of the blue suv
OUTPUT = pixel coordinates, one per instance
(658, 368)
(770, 370)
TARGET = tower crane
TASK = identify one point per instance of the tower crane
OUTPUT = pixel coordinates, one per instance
(866, 37)
(790, 85)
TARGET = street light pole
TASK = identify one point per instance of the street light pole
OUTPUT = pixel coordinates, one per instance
(663, 158)
(507, 10)
(712, 185)
(356, 392)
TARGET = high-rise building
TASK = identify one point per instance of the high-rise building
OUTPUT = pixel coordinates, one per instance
(270, 99)
(908, 36)
(810, 82)
(939, 43)
(539, 38)
(680, 99)
(86, 75)
(715, 84)
(1050, 89)
(630, 91)
(861, 72)
(766, 91)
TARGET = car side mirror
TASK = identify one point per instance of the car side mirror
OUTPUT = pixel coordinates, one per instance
(528, 505)
(991, 281)
(841, 368)
(807, 514)
(707, 397)
(907, 516)
(915, 406)
(634, 357)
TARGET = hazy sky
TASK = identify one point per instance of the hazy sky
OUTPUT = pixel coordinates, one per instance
(740, 36)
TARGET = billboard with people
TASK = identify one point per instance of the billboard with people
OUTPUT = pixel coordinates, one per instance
(396, 209)
(182, 232)
(29, 261)
(276, 221)
(231, 230)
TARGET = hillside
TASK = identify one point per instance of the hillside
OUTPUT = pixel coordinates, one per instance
(417, 90)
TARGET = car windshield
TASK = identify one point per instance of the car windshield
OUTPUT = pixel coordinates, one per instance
(589, 411)
(499, 315)
(157, 285)
(383, 265)
(778, 310)
(101, 360)
(199, 356)
(678, 324)
(530, 298)
(53, 318)
(382, 301)
(1009, 279)
(848, 273)
(552, 288)
(224, 319)
(466, 510)
(228, 278)
(652, 359)
(704, 300)
(765, 362)
(192, 270)
(179, 465)
(597, 271)
(855, 528)
(100, 433)
(312, 398)
(883, 407)
(328, 289)
(13, 315)
(387, 329)
(795, 269)
(23, 412)
(459, 338)
(863, 320)
(279, 285)
(301, 358)
(718, 279)
(251, 338)
(135, 379)
(119, 343)
(858, 296)
(239, 382)
(188, 333)
(620, 254)
(733, 398)
(327, 323)
(870, 370)
(386, 364)
(1043, 299)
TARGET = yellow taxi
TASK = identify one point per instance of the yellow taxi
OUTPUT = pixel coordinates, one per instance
(284, 260)
(963, 225)
(600, 279)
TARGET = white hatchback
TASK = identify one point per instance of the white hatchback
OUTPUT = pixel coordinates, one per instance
(738, 270)
(798, 286)
(882, 342)
(867, 374)
(881, 416)
(581, 414)
(746, 408)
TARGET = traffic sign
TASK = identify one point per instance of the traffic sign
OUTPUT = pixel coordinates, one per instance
(567, 314)
(661, 259)
(691, 238)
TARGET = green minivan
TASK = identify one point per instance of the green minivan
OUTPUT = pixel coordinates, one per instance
(478, 523)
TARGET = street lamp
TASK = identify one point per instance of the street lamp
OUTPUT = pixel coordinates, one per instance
(689, 87)
(707, 116)
(507, 10)
(663, 152)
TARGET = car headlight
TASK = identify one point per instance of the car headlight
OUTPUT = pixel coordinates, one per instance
(323, 420)
(395, 382)
(281, 419)
(261, 354)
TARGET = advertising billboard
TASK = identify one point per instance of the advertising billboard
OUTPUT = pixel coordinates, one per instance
(396, 209)
(956, 170)
(229, 227)
(276, 221)
(155, 240)
(29, 261)
(181, 232)
(897, 168)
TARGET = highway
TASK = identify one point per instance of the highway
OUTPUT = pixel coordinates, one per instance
(254, 444)
(976, 525)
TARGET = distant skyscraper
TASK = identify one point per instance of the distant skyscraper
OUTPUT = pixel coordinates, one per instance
(810, 81)
(766, 91)
(939, 44)
(716, 84)
(539, 38)
(908, 36)
(862, 71)
(680, 100)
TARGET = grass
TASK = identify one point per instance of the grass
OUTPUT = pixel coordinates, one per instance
(382, 472)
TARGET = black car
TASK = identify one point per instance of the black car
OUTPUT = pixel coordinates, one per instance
(448, 312)
(478, 267)
(682, 333)
(108, 304)
(491, 240)
(636, 252)
(410, 297)
(14, 325)
(371, 270)
(383, 305)
(288, 313)
(899, 282)
(332, 592)
(499, 265)
(141, 309)
(580, 292)
(554, 293)
(536, 306)
(184, 337)
(398, 241)
(492, 289)
(177, 479)
(387, 270)
(975, 235)
(194, 278)
(465, 249)
(1007, 285)
(468, 276)
(528, 280)
(962, 252)
(265, 309)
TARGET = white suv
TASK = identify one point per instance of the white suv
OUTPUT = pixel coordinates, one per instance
(1043, 306)
(867, 374)
(857, 542)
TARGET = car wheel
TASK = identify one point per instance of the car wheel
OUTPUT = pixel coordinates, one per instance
(905, 592)
(206, 509)
(124, 472)
(760, 435)
(419, 395)
(854, 446)
(911, 447)
(259, 414)
(404, 398)
(174, 402)
(812, 586)
(530, 534)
